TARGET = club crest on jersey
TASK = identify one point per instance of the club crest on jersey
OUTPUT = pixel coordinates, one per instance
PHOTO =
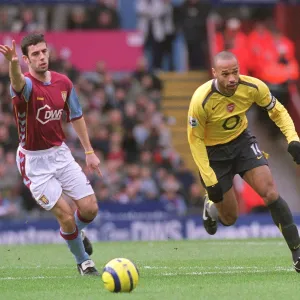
(44, 199)
(230, 107)
(193, 122)
(64, 95)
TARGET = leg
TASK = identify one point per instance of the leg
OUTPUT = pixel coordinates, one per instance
(226, 212)
(68, 229)
(87, 210)
(47, 190)
(77, 186)
(228, 209)
(261, 180)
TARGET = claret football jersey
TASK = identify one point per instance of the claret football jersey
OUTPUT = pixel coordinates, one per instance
(39, 108)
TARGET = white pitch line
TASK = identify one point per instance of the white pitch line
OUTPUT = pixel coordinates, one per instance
(249, 243)
(35, 267)
(38, 277)
(226, 272)
(208, 267)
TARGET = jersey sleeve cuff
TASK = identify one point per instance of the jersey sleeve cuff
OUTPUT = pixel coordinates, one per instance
(76, 118)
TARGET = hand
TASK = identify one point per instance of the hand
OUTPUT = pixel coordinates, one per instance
(215, 193)
(9, 53)
(93, 163)
(294, 150)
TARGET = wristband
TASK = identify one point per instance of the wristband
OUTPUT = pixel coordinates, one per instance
(89, 152)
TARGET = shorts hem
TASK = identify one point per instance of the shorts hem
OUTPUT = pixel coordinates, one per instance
(83, 196)
(52, 204)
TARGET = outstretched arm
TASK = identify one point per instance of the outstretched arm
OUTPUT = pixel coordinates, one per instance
(16, 77)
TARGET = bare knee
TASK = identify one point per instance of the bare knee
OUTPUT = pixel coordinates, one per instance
(269, 193)
(228, 219)
(88, 207)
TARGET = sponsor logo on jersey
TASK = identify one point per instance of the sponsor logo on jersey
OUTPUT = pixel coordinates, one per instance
(44, 199)
(64, 95)
(45, 114)
(230, 107)
(193, 122)
(40, 98)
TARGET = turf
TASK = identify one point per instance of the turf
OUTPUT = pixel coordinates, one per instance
(241, 269)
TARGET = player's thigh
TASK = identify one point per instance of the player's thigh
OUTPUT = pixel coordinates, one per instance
(37, 176)
(261, 180)
(250, 156)
(76, 185)
(222, 165)
(228, 209)
(47, 194)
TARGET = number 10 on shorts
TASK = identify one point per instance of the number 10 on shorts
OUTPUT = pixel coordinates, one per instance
(256, 151)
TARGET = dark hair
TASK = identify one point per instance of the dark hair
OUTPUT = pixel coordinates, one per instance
(224, 55)
(31, 39)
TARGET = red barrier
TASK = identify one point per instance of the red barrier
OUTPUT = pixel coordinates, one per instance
(119, 49)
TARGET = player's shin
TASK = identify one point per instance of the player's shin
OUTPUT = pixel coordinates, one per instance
(283, 219)
(75, 244)
(80, 221)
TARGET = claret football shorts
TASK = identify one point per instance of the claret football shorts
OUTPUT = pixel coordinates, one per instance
(51, 172)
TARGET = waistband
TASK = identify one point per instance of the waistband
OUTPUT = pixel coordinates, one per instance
(42, 152)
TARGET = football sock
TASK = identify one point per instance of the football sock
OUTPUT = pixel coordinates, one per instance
(75, 244)
(80, 221)
(212, 210)
(283, 219)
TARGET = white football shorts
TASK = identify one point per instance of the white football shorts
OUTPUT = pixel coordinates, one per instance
(51, 172)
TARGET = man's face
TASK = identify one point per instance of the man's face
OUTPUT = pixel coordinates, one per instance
(226, 71)
(38, 58)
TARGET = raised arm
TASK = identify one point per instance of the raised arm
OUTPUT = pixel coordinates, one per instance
(17, 79)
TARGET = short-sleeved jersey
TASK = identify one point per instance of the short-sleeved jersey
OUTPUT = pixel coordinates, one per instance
(214, 118)
(39, 108)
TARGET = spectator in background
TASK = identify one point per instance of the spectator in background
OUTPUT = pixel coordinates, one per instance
(234, 40)
(5, 24)
(77, 19)
(191, 17)
(155, 21)
(171, 197)
(104, 15)
(259, 41)
(26, 22)
(9, 205)
(195, 199)
(279, 65)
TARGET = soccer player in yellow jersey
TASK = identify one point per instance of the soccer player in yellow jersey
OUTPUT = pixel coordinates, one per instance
(222, 147)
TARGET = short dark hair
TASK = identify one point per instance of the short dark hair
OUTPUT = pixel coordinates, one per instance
(31, 39)
(225, 55)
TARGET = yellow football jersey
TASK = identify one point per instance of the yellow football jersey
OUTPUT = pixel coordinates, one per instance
(217, 119)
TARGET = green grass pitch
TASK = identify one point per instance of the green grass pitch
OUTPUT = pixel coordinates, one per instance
(211, 269)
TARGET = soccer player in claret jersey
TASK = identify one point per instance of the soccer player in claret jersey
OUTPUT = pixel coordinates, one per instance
(222, 146)
(40, 97)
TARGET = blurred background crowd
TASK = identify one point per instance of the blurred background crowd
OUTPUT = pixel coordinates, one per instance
(126, 124)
